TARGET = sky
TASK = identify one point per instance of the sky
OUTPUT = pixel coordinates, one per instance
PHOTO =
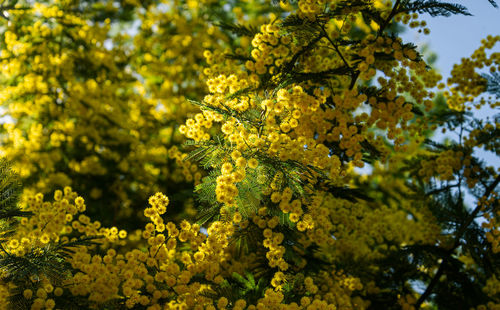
(458, 36)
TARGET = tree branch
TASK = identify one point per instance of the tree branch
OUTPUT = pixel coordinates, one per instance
(458, 236)
(389, 18)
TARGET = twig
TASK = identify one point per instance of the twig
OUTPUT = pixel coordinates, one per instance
(458, 236)
(335, 46)
(391, 15)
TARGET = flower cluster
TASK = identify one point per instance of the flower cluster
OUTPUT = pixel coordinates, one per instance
(290, 107)
(79, 118)
(443, 165)
(466, 84)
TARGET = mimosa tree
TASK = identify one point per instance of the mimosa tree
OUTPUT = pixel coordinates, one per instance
(246, 124)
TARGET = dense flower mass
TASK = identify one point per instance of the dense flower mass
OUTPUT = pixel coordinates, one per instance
(179, 154)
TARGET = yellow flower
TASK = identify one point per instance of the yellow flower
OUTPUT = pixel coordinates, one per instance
(241, 162)
(237, 217)
(222, 303)
(13, 244)
(27, 293)
(122, 234)
(253, 163)
(45, 238)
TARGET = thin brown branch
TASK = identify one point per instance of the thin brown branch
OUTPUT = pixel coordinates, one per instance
(393, 13)
(335, 46)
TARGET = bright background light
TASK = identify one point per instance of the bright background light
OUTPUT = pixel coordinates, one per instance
(457, 36)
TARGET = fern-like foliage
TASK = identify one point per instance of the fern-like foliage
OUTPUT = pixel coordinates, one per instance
(10, 189)
(277, 2)
(41, 263)
(238, 29)
(433, 7)
(48, 262)
(492, 83)
(241, 287)
(493, 3)
(238, 57)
